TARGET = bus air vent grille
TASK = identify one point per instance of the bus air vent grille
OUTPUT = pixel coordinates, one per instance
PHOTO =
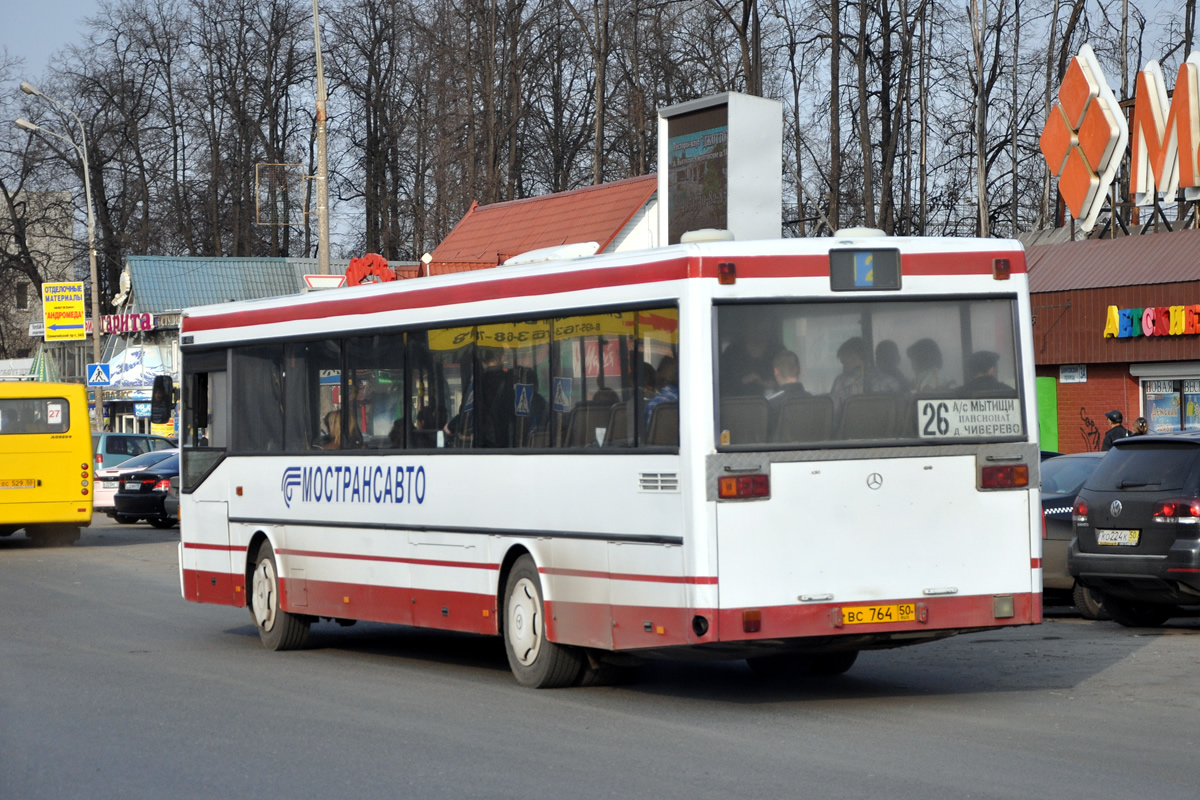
(658, 481)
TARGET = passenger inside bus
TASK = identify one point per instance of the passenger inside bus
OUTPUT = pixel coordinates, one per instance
(981, 367)
(668, 387)
(746, 364)
(787, 375)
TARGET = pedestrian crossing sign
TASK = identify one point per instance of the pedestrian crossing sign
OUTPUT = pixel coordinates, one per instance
(99, 375)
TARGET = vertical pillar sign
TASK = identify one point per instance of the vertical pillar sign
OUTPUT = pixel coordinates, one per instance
(62, 311)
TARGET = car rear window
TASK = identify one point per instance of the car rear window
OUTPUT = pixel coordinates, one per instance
(1154, 466)
(1064, 476)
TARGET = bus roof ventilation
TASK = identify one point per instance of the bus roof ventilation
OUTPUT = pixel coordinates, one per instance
(706, 235)
(559, 252)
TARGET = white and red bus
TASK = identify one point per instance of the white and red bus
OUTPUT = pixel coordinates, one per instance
(785, 451)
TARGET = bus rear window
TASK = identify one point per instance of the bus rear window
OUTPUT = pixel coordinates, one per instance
(867, 372)
(34, 415)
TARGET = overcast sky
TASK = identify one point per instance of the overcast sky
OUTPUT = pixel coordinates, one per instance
(33, 29)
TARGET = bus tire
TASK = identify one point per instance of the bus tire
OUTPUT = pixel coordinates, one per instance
(278, 629)
(535, 661)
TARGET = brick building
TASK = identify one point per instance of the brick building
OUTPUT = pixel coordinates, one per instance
(1116, 326)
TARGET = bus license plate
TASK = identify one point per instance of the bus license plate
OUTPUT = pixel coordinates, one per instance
(1120, 538)
(864, 615)
(18, 483)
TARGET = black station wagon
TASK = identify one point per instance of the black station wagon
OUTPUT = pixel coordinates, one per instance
(1137, 528)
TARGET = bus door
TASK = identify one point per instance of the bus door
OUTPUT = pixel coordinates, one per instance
(212, 566)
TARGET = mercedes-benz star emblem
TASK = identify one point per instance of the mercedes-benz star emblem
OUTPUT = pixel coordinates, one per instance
(874, 480)
(1115, 508)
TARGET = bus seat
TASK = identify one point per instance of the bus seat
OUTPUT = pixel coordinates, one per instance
(619, 434)
(745, 418)
(869, 416)
(804, 419)
(664, 425)
(584, 421)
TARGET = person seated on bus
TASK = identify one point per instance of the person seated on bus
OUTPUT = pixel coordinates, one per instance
(853, 378)
(786, 370)
(982, 380)
(333, 428)
(668, 386)
(889, 376)
(746, 364)
(926, 359)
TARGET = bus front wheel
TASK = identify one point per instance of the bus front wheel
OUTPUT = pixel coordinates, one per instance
(278, 629)
(536, 661)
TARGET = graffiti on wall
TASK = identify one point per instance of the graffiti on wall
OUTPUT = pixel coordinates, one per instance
(1091, 434)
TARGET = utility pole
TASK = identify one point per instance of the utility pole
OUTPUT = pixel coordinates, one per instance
(322, 158)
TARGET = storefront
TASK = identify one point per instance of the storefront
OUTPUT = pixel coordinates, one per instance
(1116, 326)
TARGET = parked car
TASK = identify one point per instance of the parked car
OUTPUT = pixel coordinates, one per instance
(113, 448)
(107, 480)
(1062, 478)
(143, 493)
(1137, 528)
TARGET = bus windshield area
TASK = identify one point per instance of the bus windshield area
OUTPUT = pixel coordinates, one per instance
(867, 372)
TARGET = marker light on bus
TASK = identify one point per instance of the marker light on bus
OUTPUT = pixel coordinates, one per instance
(751, 621)
(1011, 476)
(727, 273)
(1001, 269)
(740, 487)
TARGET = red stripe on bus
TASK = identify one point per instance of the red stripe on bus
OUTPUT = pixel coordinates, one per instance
(1035, 563)
(527, 286)
(223, 547)
(700, 580)
(387, 559)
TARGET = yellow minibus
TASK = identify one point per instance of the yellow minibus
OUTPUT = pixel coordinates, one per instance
(46, 470)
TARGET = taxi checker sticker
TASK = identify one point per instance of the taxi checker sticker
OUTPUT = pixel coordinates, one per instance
(961, 419)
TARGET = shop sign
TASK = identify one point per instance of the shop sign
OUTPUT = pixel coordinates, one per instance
(62, 311)
(141, 410)
(1122, 323)
(126, 323)
(1086, 135)
(1072, 373)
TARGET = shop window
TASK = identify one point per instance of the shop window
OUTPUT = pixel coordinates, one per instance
(1171, 405)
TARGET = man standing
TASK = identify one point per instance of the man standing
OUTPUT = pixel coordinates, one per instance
(1115, 430)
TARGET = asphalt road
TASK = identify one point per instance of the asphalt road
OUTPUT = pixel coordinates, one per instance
(111, 685)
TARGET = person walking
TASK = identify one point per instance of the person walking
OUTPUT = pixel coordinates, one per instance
(1140, 427)
(1115, 430)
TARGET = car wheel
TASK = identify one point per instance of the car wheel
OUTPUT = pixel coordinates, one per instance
(791, 665)
(278, 629)
(162, 522)
(1134, 614)
(125, 519)
(536, 661)
(1089, 602)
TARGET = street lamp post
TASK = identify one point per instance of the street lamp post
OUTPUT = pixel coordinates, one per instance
(322, 158)
(81, 149)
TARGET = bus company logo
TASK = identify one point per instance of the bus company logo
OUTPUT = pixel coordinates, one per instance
(367, 483)
(1084, 137)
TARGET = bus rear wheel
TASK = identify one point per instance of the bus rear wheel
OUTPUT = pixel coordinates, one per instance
(278, 629)
(536, 661)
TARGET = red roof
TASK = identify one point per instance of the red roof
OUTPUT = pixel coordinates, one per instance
(488, 235)
(1128, 261)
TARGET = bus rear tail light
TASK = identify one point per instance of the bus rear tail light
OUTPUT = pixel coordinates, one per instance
(1079, 513)
(1010, 476)
(741, 487)
(1184, 512)
(751, 621)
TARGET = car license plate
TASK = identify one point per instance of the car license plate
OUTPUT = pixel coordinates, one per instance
(863, 615)
(18, 483)
(110, 484)
(1121, 538)
(133, 486)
